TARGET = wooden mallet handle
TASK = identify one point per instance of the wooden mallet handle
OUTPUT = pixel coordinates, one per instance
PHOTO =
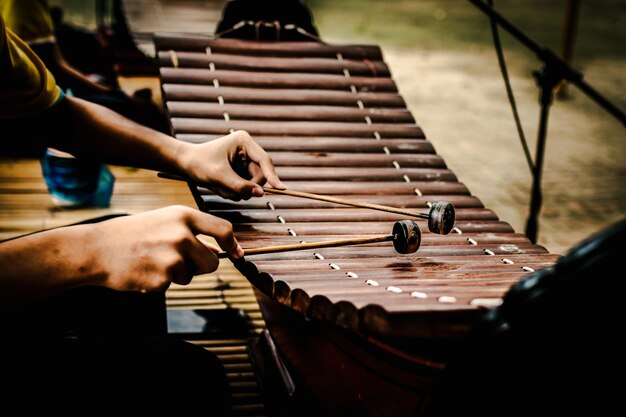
(405, 235)
(313, 245)
(440, 217)
(346, 202)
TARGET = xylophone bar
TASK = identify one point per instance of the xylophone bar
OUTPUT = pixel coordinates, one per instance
(463, 216)
(325, 144)
(287, 112)
(273, 64)
(274, 79)
(250, 231)
(257, 96)
(375, 187)
(427, 239)
(337, 254)
(290, 128)
(400, 201)
(355, 268)
(259, 48)
(300, 159)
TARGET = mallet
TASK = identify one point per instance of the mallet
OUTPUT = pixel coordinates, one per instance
(440, 217)
(405, 235)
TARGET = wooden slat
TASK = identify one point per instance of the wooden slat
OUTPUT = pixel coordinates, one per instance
(428, 239)
(378, 187)
(239, 94)
(287, 64)
(278, 112)
(291, 128)
(353, 159)
(261, 48)
(335, 215)
(275, 80)
(325, 144)
(356, 252)
(282, 201)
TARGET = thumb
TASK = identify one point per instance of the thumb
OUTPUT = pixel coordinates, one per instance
(219, 229)
(240, 186)
(261, 158)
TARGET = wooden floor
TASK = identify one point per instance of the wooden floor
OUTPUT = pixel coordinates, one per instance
(26, 206)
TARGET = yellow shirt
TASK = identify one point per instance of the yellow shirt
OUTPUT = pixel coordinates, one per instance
(28, 19)
(26, 86)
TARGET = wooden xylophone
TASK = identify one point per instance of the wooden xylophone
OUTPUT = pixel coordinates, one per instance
(334, 123)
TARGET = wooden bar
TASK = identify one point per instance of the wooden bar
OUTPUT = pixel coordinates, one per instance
(290, 128)
(471, 274)
(274, 64)
(480, 239)
(400, 201)
(499, 282)
(335, 215)
(252, 238)
(275, 80)
(249, 231)
(252, 231)
(260, 48)
(278, 112)
(376, 187)
(353, 159)
(363, 174)
(450, 263)
(379, 187)
(335, 254)
(325, 144)
(246, 95)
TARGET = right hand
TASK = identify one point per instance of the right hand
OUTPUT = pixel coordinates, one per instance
(149, 251)
(233, 167)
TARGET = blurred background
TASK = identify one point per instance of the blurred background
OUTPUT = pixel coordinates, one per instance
(442, 57)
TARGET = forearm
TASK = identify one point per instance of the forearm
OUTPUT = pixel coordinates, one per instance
(101, 134)
(75, 78)
(42, 264)
(144, 252)
(80, 81)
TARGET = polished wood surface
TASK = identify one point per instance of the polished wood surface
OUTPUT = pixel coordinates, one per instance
(334, 124)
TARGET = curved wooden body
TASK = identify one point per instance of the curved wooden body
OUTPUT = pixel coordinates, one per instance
(347, 375)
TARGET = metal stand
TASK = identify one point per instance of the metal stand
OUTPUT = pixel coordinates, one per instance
(547, 81)
(553, 72)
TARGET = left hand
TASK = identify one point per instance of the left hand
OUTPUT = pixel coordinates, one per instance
(234, 167)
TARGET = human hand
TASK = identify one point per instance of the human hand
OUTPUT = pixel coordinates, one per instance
(233, 167)
(148, 251)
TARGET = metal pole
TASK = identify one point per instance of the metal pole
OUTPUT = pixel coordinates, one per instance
(567, 40)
